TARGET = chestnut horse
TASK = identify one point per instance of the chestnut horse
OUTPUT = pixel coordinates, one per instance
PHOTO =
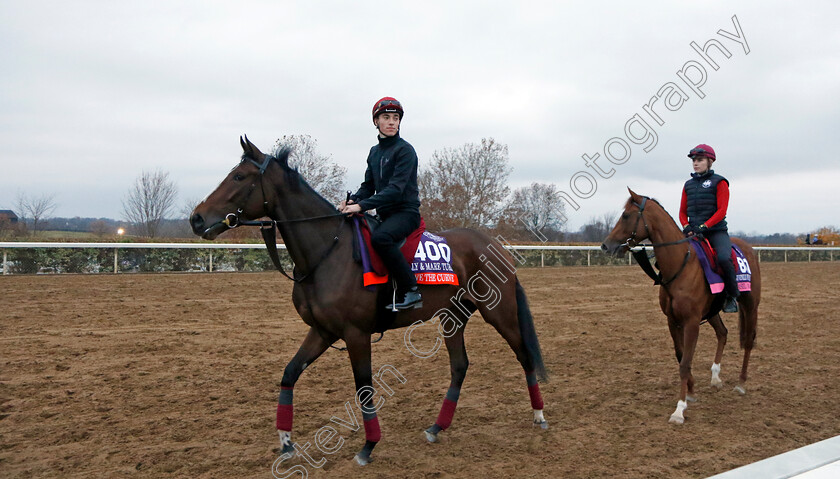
(684, 295)
(329, 296)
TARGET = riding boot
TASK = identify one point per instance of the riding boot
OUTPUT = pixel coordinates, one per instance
(411, 300)
(407, 294)
(730, 304)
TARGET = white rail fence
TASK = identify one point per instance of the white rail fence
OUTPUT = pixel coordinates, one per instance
(206, 259)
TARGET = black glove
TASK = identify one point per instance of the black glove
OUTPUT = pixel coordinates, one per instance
(701, 229)
(688, 230)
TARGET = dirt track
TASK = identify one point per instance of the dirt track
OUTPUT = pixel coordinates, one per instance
(178, 375)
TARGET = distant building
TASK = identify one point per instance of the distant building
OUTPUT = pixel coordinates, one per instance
(8, 215)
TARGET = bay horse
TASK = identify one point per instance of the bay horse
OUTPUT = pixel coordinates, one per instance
(684, 294)
(329, 296)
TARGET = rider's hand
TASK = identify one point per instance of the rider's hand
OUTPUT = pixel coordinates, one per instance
(688, 230)
(350, 209)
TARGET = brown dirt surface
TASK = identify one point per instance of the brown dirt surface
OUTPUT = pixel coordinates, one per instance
(177, 375)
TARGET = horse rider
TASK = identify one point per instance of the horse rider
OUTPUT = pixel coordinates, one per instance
(390, 187)
(705, 199)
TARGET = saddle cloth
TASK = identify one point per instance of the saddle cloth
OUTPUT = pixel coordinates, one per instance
(428, 254)
(706, 255)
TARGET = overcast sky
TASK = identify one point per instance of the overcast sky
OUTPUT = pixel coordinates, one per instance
(94, 93)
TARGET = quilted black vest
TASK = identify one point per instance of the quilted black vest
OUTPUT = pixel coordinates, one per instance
(701, 199)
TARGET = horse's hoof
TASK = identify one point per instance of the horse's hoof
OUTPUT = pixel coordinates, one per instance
(740, 390)
(690, 398)
(286, 452)
(717, 383)
(362, 461)
(542, 424)
(676, 419)
(431, 437)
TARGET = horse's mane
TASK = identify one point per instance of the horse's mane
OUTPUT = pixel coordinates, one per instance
(293, 176)
(631, 203)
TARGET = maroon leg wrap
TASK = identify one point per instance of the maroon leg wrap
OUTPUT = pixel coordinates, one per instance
(285, 416)
(372, 432)
(447, 411)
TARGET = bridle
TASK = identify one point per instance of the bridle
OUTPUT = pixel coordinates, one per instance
(268, 228)
(641, 254)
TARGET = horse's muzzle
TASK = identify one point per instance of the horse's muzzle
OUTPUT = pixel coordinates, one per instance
(197, 224)
(612, 248)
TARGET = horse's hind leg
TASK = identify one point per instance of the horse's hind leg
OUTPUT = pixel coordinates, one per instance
(458, 364)
(720, 331)
(504, 318)
(748, 319)
(312, 347)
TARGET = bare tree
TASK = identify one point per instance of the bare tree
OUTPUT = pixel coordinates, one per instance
(598, 227)
(319, 170)
(465, 186)
(35, 208)
(150, 200)
(99, 228)
(536, 212)
(187, 207)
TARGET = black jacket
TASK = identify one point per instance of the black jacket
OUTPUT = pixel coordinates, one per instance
(390, 183)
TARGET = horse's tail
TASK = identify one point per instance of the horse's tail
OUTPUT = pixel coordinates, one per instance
(529, 333)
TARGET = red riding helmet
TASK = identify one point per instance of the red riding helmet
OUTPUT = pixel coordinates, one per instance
(702, 150)
(387, 104)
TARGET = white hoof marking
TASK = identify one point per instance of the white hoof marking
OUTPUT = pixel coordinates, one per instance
(430, 437)
(716, 381)
(360, 461)
(740, 390)
(677, 416)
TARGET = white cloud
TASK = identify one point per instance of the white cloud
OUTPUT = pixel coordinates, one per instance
(94, 93)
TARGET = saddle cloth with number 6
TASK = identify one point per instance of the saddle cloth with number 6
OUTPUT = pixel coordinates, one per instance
(742, 267)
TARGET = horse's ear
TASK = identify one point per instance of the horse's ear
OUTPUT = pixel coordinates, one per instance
(250, 149)
(636, 198)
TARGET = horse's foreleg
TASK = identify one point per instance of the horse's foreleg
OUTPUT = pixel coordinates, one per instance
(458, 364)
(690, 331)
(720, 332)
(313, 346)
(358, 347)
(677, 336)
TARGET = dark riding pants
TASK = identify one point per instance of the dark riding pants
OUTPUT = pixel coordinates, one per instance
(386, 239)
(723, 249)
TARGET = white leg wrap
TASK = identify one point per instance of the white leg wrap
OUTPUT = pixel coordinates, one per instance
(678, 417)
(539, 419)
(716, 381)
(285, 437)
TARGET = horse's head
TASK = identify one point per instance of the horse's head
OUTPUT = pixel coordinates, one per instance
(244, 194)
(631, 227)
